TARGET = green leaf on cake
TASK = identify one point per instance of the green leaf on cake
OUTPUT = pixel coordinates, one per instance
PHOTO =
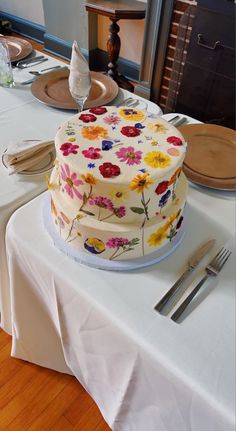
(87, 212)
(137, 210)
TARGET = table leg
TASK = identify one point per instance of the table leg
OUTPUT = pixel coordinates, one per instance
(113, 49)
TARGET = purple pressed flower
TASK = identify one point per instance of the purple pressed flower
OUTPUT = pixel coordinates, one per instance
(164, 199)
(139, 126)
(120, 212)
(106, 145)
(117, 242)
(102, 202)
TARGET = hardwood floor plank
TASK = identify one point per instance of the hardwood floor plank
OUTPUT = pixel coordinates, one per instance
(28, 405)
(77, 408)
(55, 409)
(89, 420)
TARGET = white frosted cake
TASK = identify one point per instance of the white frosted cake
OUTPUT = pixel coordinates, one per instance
(117, 190)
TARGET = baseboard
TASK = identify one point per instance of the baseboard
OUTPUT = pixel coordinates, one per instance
(25, 27)
(98, 60)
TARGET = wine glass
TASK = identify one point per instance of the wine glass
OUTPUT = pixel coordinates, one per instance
(79, 89)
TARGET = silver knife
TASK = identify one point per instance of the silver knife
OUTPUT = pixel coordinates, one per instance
(29, 60)
(192, 263)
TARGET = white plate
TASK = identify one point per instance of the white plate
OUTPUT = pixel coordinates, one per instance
(43, 166)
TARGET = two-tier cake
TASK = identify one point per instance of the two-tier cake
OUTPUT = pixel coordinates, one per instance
(117, 190)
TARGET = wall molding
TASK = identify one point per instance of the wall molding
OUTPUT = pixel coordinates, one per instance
(25, 27)
(98, 59)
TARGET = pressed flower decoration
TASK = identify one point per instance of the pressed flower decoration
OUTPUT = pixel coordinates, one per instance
(157, 159)
(162, 187)
(121, 246)
(94, 245)
(130, 131)
(119, 195)
(87, 118)
(107, 145)
(68, 148)
(157, 127)
(129, 155)
(71, 182)
(94, 132)
(112, 119)
(100, 110)
(105, 203)
(108, 170)
(92, 153)
(174, 140)
(131, 114)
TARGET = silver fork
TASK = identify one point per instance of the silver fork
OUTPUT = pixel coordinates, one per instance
(212, 269)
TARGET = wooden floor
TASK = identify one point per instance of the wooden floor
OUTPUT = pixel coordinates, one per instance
(33, 398)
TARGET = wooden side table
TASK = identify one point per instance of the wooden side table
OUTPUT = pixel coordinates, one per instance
(115, 10)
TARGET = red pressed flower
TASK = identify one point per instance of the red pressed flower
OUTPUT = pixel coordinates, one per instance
(109, 170)
(179, 222)
(174, 140)
(87, 118)
(130, 131)
(162, 187)
(92, 153)
(98, 111)
(68, 148)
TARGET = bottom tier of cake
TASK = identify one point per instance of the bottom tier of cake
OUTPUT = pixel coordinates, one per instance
(117, 242)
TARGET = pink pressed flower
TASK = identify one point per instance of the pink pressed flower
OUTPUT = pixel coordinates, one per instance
(71, 181)
(174, 140)
(102, 202)
(92, 153)
(68, 148)
(120, 212)
(129, 155)
(117, 242)
(111, 119)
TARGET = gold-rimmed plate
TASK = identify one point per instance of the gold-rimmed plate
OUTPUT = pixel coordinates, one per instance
(52, 89)
(18, 48)
(211, 155)
(43, 166)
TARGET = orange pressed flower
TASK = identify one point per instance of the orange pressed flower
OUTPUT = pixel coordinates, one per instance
(94, 132)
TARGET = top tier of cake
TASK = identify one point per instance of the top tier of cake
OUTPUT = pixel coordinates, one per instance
(109, 155)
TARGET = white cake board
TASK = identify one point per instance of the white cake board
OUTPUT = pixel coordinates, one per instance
(98, 262)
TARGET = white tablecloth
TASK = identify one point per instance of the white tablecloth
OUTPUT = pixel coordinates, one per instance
(144, 371)
(24, 117)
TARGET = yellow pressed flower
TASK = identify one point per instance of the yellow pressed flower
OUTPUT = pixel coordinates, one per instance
(50, 186)
(141, 182)
(94, 132)
(71, 139)
(171, 219)
(89, 179)
(119, 195)
(131, 114)
(96, 243)
(157, 237)
(156, 159)
(157, 127)
(154, 143)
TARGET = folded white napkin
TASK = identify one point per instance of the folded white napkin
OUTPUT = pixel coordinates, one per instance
(79, 77)
(24, 154)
